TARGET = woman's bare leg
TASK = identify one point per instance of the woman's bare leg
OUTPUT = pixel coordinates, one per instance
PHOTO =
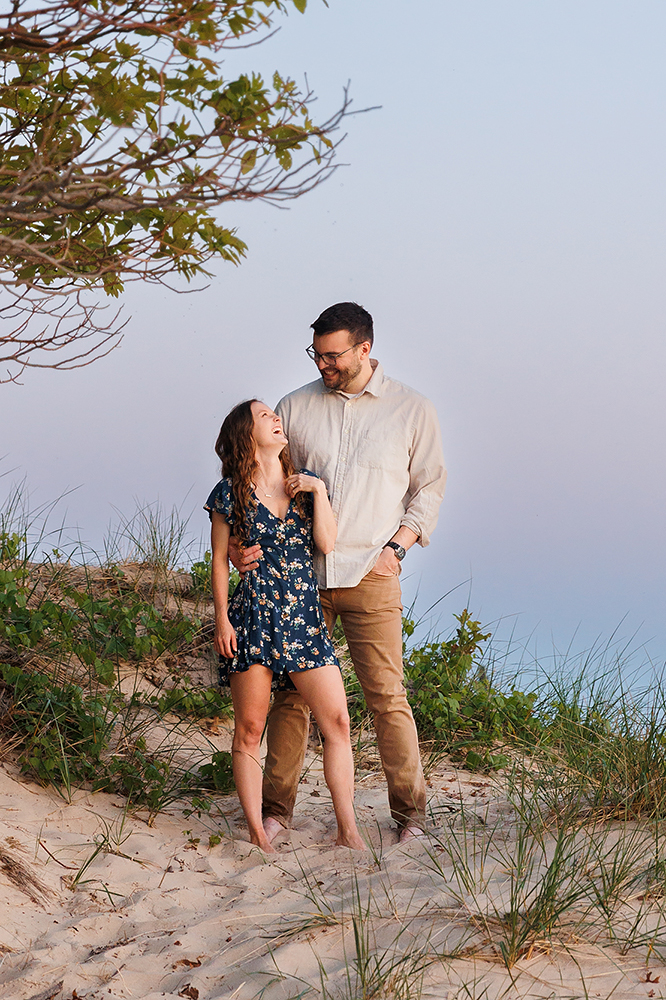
(251, 694)
(324, 692)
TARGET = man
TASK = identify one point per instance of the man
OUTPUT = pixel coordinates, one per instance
(376, 445)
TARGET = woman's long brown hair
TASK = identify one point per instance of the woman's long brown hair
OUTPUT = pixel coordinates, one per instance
(235, 448)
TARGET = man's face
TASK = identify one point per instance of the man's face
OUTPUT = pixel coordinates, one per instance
(346, 368)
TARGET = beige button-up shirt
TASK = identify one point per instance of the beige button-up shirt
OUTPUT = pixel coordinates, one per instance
(380, 455)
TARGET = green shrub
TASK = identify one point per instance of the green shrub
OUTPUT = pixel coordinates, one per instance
(22, 627)
(12, 547)
(144, 778)
(218, 775)
(197, 703)
(201, 573)
(99, 631)
(455, 702)
(125, 627)
(65, 743)
(455, 705)
(201, 576)
(65, 732)
(65, 729)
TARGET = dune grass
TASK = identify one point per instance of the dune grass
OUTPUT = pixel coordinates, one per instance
(78, 641)
(577, 855)
(573, 863)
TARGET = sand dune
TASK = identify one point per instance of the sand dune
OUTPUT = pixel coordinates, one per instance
(163, 911)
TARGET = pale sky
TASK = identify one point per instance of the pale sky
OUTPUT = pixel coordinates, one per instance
(503, 217)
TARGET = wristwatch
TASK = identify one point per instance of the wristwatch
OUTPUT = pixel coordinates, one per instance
(398, 549)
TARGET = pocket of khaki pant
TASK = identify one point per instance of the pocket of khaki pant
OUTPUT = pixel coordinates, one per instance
(382, 592)
(384, 576)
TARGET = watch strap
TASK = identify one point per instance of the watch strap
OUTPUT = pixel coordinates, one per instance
(398, 549)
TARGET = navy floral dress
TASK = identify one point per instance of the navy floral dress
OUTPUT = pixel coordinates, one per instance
(275, 609)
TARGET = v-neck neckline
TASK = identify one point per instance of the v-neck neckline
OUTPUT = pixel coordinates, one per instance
(280, 519)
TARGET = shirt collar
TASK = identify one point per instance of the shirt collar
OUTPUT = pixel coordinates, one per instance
(374, 386)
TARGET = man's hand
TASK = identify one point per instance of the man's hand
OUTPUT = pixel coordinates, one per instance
(244, 559)
(388, 563)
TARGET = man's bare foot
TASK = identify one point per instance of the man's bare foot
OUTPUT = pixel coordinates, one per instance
(411, 832)
(271, 828)
(353, 840)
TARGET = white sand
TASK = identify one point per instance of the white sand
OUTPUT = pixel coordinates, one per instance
(175, 917)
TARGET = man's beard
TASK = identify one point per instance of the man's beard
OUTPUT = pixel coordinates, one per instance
(344, 377)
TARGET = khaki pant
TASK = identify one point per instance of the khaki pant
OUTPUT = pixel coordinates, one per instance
(371, 615)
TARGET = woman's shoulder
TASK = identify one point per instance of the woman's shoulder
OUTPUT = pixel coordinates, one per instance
(223, 489)
(221, 498)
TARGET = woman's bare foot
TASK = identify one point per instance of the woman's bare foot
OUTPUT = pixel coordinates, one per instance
(271, 828)
(353, 840)
(263, 843)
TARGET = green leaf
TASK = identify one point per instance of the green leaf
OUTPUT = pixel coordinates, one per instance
(248, 160)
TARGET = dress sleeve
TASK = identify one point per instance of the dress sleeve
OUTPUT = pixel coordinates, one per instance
(221, 501)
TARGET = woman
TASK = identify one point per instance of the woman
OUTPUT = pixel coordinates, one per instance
(273, 634)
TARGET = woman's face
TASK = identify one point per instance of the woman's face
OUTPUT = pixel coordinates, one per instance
(267, 431)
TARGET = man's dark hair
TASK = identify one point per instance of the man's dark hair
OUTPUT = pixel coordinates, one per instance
(346, 316)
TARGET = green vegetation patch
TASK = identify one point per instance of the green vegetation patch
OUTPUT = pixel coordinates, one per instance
(61, 685)
(100, 631)
(456, 706)
(64, 731)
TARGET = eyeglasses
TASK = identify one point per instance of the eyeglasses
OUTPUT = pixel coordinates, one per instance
(329, 359)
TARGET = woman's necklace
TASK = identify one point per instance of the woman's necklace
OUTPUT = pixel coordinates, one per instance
(273, 489)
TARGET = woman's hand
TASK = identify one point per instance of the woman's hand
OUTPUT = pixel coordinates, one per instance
(225, 639)
(302, 483)
(324, 528)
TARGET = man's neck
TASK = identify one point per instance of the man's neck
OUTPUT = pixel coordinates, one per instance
(358, 384)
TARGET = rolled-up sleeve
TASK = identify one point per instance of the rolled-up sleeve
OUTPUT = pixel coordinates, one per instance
(427, 474)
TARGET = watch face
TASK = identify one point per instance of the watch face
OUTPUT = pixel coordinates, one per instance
(398, 549)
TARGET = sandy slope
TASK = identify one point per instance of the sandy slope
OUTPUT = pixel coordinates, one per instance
(170, 916)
